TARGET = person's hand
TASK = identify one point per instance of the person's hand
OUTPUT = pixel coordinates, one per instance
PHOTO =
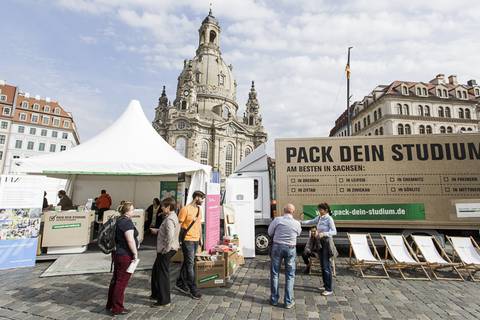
(320, 235)
(153, 230)
(135, 256)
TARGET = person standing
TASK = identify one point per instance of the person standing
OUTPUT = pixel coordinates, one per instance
(153, 213)
(65, 203)
(103, 203)
(126, 241)
(190, 218)
(167, 246)
(325, 231)
(284, 230)
(45, 201)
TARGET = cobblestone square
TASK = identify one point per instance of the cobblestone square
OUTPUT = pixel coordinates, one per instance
(26, 296)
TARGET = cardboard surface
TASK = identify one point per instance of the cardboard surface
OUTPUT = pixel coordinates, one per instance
(67, 228)
(231, 263)
(400, 181)
(210, 274)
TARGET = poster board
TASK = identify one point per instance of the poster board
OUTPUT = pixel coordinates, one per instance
(168, 189)
(67, 228)
(212, 215)
(239, 196)
(21, 199)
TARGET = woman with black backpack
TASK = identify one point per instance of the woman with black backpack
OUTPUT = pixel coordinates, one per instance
(126, 241)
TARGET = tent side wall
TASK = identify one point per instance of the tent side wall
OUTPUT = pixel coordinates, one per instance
(139, 189)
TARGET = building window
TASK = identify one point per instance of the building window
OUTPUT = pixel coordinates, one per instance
(448, 114)
(424, 91)
(6, 111)
(25, 105)
(449, 130)
(34, 118)
(57, 110)
(441, 114)
(462, 129)
(469, 129)
(204, 152)
(443, 129)
(461, 115)
(427, 111)
(4, 125)
(408, 129)
(477, 92)
(420, 110)
(23, 117)
(36, 107)
(65, 135)
(63, 148)
(445, 93)
(429, 130)
(1, 155)
(66, 124)
(53, 148)
(375, 115)
(221, 79)
(33, 131)
(181, 125)
(225, 112)
(406, 109)
(181, 146)
(2, 138)
(21, 129)
(400, 129)
(54, 134)
(56, 122)
(18, 144)
(3, 97)
(368, 119)
(376, 132)
(30, 145)
(419, 91)
(399, 109)
(45, 120)
(467, 113)
(229, 160)
(404, 90)
(198, 77)
(41, 146)
(46, 109)
(381, 131)
(439, 92)
(464, 94)
(43, 133)
(421, 129)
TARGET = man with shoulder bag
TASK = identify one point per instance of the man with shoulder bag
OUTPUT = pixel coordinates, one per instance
(190, 220)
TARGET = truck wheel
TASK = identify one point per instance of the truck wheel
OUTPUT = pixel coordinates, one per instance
(262, 241)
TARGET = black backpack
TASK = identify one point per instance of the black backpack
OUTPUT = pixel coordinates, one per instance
(106, 235)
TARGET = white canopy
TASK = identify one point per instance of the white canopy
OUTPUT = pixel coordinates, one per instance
(130, 146)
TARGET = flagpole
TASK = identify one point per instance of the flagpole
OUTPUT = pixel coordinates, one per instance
(347, 70)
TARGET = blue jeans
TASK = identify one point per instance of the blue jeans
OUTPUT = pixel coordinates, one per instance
(288, 254)
(325, 264)
(186, 279)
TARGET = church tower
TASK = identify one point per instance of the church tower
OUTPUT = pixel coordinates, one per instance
(202, 124)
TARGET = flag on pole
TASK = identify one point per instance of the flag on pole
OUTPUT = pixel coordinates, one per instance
(347, 70)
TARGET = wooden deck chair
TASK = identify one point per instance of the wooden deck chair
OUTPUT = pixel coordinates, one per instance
(364, 258)
(468, 253)
(428, 248)
(402, 256)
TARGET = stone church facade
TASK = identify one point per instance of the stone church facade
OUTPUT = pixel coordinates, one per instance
(202, 123)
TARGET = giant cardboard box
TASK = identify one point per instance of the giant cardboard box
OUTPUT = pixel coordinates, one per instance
(231, 263)
(210, 274)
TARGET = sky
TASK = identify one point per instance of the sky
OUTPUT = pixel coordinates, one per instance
(94, 56)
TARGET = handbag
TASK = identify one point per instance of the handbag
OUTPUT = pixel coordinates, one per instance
(183, 232)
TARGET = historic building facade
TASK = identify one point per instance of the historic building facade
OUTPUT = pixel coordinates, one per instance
(31, 126)
(202, 123)
(403, 108)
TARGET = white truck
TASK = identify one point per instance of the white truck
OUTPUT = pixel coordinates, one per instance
(427, 184)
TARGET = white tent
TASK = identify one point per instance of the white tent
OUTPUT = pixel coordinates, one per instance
(129, 147)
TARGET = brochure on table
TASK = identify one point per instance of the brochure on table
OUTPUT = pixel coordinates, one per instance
(21, 199)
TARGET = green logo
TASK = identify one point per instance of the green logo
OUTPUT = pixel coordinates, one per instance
(391, 211)
(67, 226)
(209, 278)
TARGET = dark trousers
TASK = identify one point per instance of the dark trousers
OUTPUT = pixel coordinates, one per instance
(118, 284)
(324, 255)
(161, 277)
(306, 257)
(186, 280)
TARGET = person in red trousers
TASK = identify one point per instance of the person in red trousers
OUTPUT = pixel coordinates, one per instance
(126, 250)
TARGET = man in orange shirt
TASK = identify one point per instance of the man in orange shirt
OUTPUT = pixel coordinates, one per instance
(103, 203)
(190, 215)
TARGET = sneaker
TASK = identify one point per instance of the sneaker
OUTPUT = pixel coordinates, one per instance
(321, 289)
(290, 305)
(274, 303)
(327, 293)
(196, 295)
(156, 304)
(182, 289)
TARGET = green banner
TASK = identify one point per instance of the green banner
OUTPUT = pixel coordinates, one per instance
(391, 211)
(168, 189)
(67, 226)
(209, 278)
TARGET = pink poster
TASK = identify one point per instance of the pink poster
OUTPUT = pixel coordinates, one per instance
(212, 216)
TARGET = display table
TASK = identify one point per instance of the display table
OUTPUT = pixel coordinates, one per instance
(138, 220)
(67, 231)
